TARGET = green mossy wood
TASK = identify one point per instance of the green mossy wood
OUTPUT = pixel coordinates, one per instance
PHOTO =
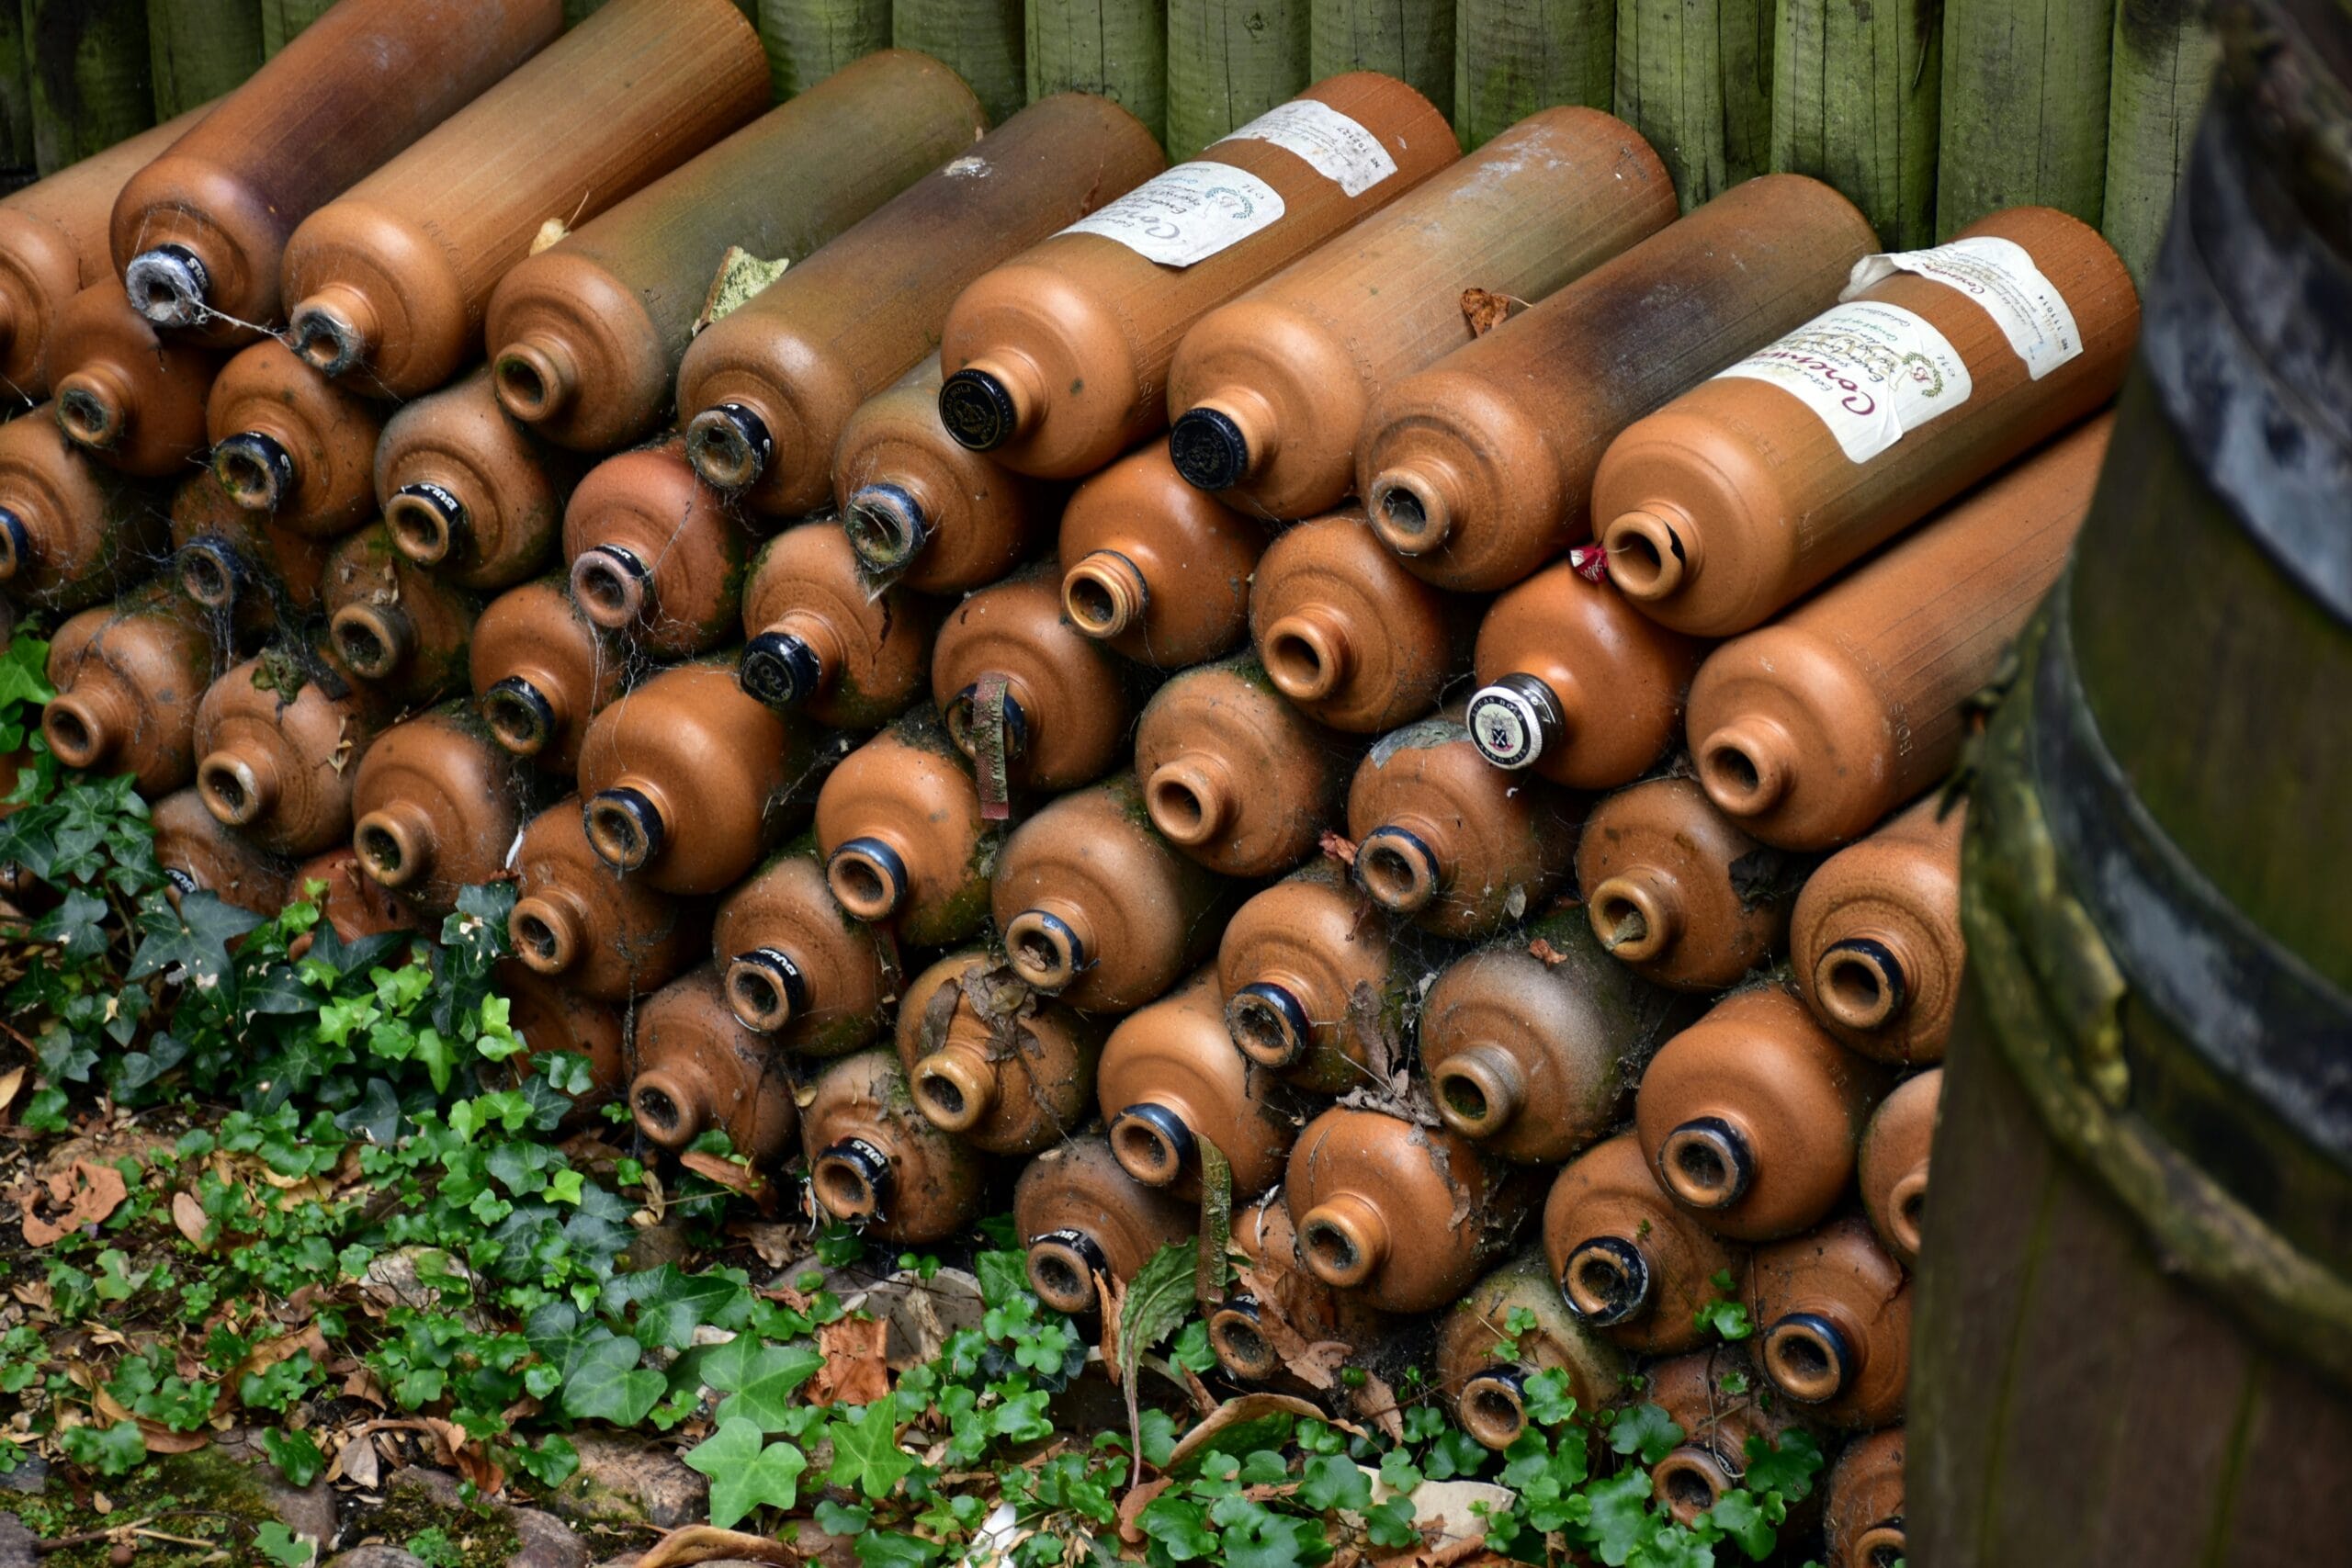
(2162, 66)
(2024, 108)
(1229, 62)
(807, 40)
(980, 40)
(91, 77)
(1695, 77)
(282, 19)
(1409, 39)
(1115, 48)
(1513, 57)
(1855, 85)
(200, 49)
(16, 99)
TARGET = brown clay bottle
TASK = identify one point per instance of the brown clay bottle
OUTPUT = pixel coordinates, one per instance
(1676, 890)
(904, 840)
(1752, 1115)
(127, 396)
(1720, 1402)
(657, 557)
(1272, 1296)
(1170, 1080)
(581, 924)
(1080, 1215)
(1236, 776)
(1350, 636)
(585, 336)
(689, 782)
(542, 672)
(1756, 485)
(1479, 468)
(766, 391)
(1097, 910)
(1532, 1045)
(1576, 684)
(1269, 393)
(197, 854)
(1833, 1317)
(699, 1070)
(435, 808)
(357, 905)
(387, 285)
(469, 494)
(1875, 938)
(1401, 1215)
(550, 1018)
(1057, 361)
(1811, 729)
(278, 742)
(289, 442)
(1628, 1261)
(990, 1061)
(129, 677)
(1487, 1387)
(395, 626)
(1048, 708)
(1155, 568)
(1863, 1510)
(874, 1163)
(1892, 1164)
(795, 965)
(821, 638)
(71, 529)
(241, 564)
(200, 231)
(1460, 848)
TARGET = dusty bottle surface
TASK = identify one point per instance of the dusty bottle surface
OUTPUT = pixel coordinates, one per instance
(1752, 1116)
(542, 672)
(1170, 1080)
(1034, 702)
(241, 564)
(289, 442)
(824, 639)
(1756, 485)
(435, 808)
(356, 905)
(1275, 1306)
(656, 556)
(1628, 1261)
(991, 1061)
(395, 626)
(469, 494)
(129, 676)
(1863, 1512)
(132, 398)
(1811, 729)
(198, 233)
(1892, 1164)
(874, 1163)
(1875, 938)
(1057, 361)
(899, 825)
(1675, 889)
(1349, 635)
(765, 392)
(1155, 568)
(387, 285)
(198, 854)
(547, 1018)
(798, 967)
(1488, 1388)
(71, 529)
(1097, 910)
(585, 336)
(1720, 1401)
(1079, 1215)
(277, 741)
(1833, 1317)
(1479, 468)
(580, 923)
(1269, 393)
(699, 1069)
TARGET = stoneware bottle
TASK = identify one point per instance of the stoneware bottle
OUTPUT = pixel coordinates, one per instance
(289, 442)
(1752, 1115)
(469, 494)
(199, 233)
(198, 854)
(1756, 485)
(241, 564)
(1048, 708)
(874, 1163)
(387, 285)
(797, 965)
(579, 923)
(1300, 963)
(1720, 1401)
(1833, 1317)
(357, 905)
(1811, 729)
(904, 840)
(395, 626)
(548, 1018)
(1081, 1217)
(657, 557)
(585, 336)
(1273, 1298)
(823, 638)
(1155, 568)
(765, 392)
(989, 1060)
(1863, 1510)
(1676, 890)
(1479, 468)
(132, 398)
(71, 531)
(278, 742)
(435, 808)
(1269, 393)
(1875, 938)
(1486, 1387)
(1627, 1261)
(542, 672)
(1171, 1082)
(698, 1070)
(129, 676)
(1892, 1165)
(1349, 635)
(1057, 361)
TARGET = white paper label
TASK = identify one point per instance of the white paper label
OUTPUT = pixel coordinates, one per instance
(1187, 214)
(1870, 370)
(2000, 276)
(1340, 150)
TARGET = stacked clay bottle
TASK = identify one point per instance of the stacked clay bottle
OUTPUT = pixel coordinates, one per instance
(1034, 704)
(469, 494)
(541, 672)
(435, 808)
(396, 627)
(1489, 1389)
(278, 739)
(903, 835)
(699, 1070)
(1171, 1084)
(657, 557)
(1627, 1261)
(198, 854)
(1677, 891)
(1155, 568)
(1719, 1400)
(1833, 1317)
(1081, 1216)
(289, 442)
(1875, 938)
(1891, 1166)
(1007, 1071)
(821, 639)
(128, 678)
(874, 1163)
(129, 396)
(72, 530)
(797, 965)
(581, 924)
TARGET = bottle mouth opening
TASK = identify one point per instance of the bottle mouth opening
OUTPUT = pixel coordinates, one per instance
(1742, 771)
(256, 471)
(1690, 1481)
(1398, 869)
(168, 286)
(369, 640)
(845, 1186)
(529, 383)
(659, 1112)
(1300, 660)
(1268, 1024)
(1908, 1211)
(1241, 1350)
(1860, 984)
(325, 340)
(1627, 920)
(1179, 807)
(623, 829)
(208, 575)
(424, 521)
(1706, 1162)
(729, 446)
(962, 720)
(1062, 1278)
(1646, 557)
(1044, 951)
(867, 877)
(1465, 1099)
(539, 942)
(1607, 1281)
(15, 546)
(886, 527)
(610, 585)
(87, 418)
(952, 1094)
(520, 717)
(1806, 1356)
(229, 790)
(1152, 1143)
(1883, 1545)
(75, 735)
(1104, 597)
(761, 990)
(1333, 1251)
(1493, 1411)
(385, 850)
(1406, 519)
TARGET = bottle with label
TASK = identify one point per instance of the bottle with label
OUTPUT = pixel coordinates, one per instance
(1269, 393)
(874, 1163)
(129, 676)
(579, 922)
(904, 837)
(1628, 1261)
(1057, 361)
(1676, 890)
(795, 965)
(357, 905)
(130, 398)
(73, 532)
(199, 854)
(1863, 1511)
(1155, 568)
(1479, 468)
(395, 626)
(469, 494)
(550, 1018)
(1274, 1304)
(435, 808)
(585, 336)
(1720, 1401)
(1081, 1217)
(657, 556)
(1875, 938)
(1035, 703)
(1752, 1116)
(1892, 1164)
(1833, 1317)
(1171, 1082)
(241, 565)
(990, 1061)
(823, 638)
(1940, 367)
(1811, 729)
(289, 442)
(1348, 634)
(1488, 1387)
(764, 393)
(698, 1070)
(1236, 776)
(542, 672)
(277, 743)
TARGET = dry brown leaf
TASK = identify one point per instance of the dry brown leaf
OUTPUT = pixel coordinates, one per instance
(188, 1215)
(1544, 952)
(269, 1352)
(778, 1245)
(10, 1082)
(1132, 1506)
(1339, 846)
(854, 1372)
(707, 1543)
(739, 1179)
(359, 1462)
(159, 1438)
(1113, 1296)
(1485, 309)
(84, 1195)
(1376, 1402)
(1243, 1407)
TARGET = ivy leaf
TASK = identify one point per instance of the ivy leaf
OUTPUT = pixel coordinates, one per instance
(606, 1383)
(76, 926)
(764, 1396)
(865, 1449)
(196, 937)
(1546, 1398)
(671, 1303)
(1646, 1430)
(1391, 1523)
(746, 1471)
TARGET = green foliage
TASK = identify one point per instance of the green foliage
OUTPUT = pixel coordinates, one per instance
(746, 1471)
(283, 1547)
